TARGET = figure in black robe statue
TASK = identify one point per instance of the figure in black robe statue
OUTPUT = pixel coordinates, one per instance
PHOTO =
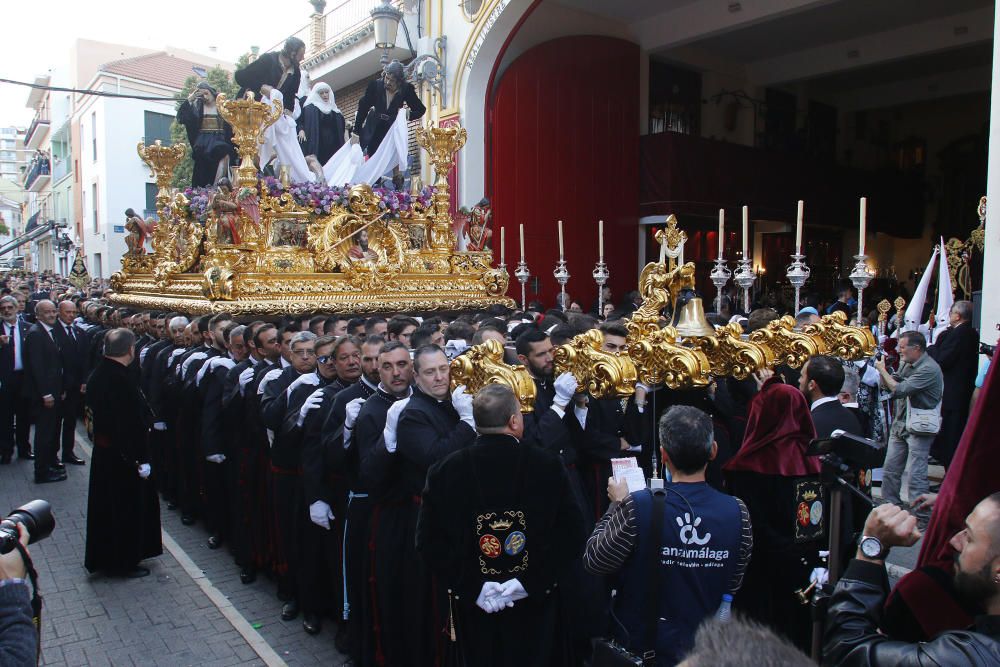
(274, 70)
(378, 108)
(321, 125)
(123, 512)
(210, 136)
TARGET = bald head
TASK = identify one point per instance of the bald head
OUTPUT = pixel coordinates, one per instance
(45, 312)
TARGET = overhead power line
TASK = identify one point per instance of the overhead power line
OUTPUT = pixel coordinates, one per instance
(83, 91)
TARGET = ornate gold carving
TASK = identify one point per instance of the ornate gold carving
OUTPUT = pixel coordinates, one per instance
(483, 364)
(599, 373)
(840, 340)
(660, 359)
(249, 120)
(674, 239)
(441, 144)
(786, 345)
(883, 308)
(218, 283)
(731, 356)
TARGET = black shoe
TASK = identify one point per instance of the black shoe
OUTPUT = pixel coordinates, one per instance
(312, 623)
(289, 610)
(74, 460)
(5, 459)
(248, 576)
(50, 476)
(171, 505)
(26, 457)
(136, 572)
(214, 542)
(187, 519)
(57, 466)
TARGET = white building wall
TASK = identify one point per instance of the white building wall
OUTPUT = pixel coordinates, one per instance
(990, 318)
(119, 173)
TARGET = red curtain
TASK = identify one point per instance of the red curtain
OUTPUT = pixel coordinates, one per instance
(563, 124)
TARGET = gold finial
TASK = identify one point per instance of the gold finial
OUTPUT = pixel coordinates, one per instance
(249, 120)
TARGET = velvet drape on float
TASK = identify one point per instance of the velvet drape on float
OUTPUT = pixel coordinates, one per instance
(563, 144)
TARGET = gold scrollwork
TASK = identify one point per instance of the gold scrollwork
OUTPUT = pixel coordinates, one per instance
(660, 359)
(840, 340)
(483, 364)
(728, 355)
(597, 372)
(787, 346)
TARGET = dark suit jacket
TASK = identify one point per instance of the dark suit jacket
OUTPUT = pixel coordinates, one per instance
(6, 356)
(374, 117)
(957, 353)
(73, 351)
(832, 416)
(266, 71)
(43, 365)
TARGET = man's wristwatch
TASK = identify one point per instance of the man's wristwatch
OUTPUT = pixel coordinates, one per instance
(872, 547)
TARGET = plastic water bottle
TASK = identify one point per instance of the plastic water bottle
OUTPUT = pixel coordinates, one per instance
(725, 609)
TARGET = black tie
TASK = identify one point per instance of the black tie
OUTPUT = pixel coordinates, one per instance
(13, 343)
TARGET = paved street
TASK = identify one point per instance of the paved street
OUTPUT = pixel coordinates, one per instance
(191, 610)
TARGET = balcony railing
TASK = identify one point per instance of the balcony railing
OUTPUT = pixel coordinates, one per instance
(346, 18)
(38, 169)
(60, 168)
(38, 129)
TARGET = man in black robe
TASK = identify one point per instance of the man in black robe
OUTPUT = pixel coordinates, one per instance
(484, 509)
(380, 105)
(284, 470)
(430, 425)
(957, 352)
(274, 70)
(342, 463)
(162, 436)
(123, 514)
(376, 464)
(210, 136)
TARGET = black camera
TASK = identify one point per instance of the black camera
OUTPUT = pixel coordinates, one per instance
(37, 519)
(848, 451)
(987, 349)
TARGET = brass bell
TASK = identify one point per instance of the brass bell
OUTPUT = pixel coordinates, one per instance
(690, 320)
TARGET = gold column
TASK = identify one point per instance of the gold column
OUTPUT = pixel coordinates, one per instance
(441, 144)
(249, 120)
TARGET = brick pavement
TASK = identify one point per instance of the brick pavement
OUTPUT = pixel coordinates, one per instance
(176, 616)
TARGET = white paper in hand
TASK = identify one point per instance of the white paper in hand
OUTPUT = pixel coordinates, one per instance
(628, 469)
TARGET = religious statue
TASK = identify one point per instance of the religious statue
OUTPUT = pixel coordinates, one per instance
(360, 250)
(477, 232)
(209, 135)
(136, 232)
(226, 213)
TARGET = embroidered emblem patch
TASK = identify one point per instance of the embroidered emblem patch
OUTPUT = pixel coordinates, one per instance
(803, 514)
(514, 544)
(490, 546)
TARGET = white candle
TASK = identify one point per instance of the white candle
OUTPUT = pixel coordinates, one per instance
(722, 229)
(681, 258)
(521, 226)
(861, 234)
(746, 228)
(798, 229)
(600, 240)
(663, 250)
(560, 241)
(502, 239)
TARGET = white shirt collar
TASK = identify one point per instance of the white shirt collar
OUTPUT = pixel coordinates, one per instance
(820, 401)
(850, 405)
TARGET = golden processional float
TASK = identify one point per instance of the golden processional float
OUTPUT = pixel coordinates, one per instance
(272, 254)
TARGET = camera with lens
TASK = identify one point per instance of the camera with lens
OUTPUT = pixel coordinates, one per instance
(987, 349)
(36, 517)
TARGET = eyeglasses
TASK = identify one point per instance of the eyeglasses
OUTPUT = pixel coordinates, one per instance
(325, 359)
(305, 354)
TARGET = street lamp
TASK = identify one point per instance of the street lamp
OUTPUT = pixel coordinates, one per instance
(386, 20)
(428, 67)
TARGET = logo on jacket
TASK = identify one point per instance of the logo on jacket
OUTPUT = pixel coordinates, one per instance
(689, 530)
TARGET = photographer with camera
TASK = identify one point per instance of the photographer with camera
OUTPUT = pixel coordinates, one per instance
(852, 634)
(18, 639)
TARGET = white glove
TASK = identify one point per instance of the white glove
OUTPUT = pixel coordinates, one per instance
(351, 412)
(565, 386)
(314, 401)
(216, 458)
(160, 426)
(513, 590)
(321, 514)
(391, 420)
(245, 378)
(819, 576)
(144, 470)
(491, 599)
(462, 401)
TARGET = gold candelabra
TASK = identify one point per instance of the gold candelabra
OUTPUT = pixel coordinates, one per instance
(441, 144)
(162, 160)
(249, 119)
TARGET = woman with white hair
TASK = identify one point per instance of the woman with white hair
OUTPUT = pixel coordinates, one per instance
(321, 126)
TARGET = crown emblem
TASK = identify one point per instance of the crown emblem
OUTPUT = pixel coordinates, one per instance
(500, 524)
(809, 495)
